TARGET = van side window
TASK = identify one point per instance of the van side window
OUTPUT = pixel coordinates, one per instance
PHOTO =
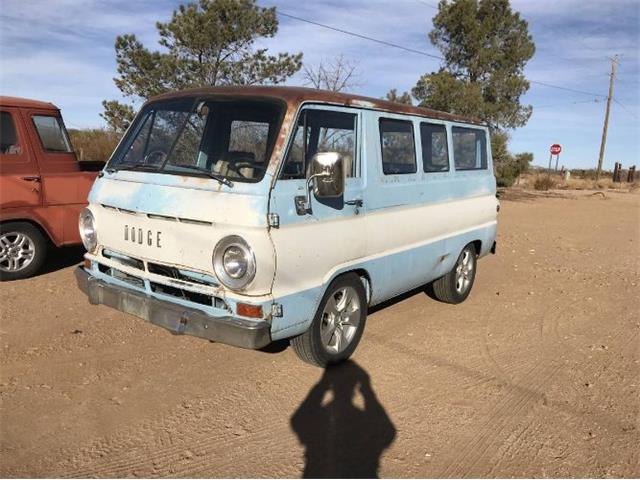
(52, 134)
(8, 136)
(435, 155)
(321, 131)
(469, 148)
(398, 147)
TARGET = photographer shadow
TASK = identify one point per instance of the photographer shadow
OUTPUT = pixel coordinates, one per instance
(341, 438)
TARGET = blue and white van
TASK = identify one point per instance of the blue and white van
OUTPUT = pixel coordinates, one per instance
(246, 215)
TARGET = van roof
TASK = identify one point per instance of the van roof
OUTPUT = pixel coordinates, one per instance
(296, 95)
(25, 103)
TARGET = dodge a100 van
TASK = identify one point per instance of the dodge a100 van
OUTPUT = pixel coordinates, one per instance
(245, 215)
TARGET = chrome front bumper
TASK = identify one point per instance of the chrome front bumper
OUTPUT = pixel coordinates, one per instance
(177, 319)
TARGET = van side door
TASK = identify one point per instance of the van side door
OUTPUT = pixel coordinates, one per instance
(19, 175)
(312, 247)
(405, 221)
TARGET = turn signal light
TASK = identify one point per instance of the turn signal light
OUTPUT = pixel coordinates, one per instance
(87, 264)
(253, 311)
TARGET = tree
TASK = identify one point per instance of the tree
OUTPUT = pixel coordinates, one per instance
(336, 75)
(404, 97)
(485, 46)
(207, 43)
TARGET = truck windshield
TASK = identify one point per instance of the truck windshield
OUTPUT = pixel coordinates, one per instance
(226, 139)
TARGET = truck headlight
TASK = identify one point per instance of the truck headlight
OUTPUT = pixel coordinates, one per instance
(88, 230)
(234, 262)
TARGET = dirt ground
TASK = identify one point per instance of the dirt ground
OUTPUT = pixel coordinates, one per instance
(537, 374)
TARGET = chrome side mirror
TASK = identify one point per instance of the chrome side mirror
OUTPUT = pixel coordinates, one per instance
(327, 175)
(327, 178)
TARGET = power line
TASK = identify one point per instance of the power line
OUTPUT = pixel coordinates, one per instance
(567, 89)
(413, 50)
(625, 108)
(359, 35)
(595, 100)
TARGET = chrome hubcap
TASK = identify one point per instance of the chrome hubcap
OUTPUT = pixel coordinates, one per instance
(464, 271)
(16, 251)
(340, 319)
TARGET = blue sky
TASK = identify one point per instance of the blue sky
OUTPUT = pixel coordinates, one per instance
(62, 51)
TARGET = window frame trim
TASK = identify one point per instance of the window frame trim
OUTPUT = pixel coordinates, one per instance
(411, 122)
(63, 129)
(446, 137)
(486, 153)
(359, 135)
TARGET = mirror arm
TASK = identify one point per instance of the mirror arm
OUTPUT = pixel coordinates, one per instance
(303, 204)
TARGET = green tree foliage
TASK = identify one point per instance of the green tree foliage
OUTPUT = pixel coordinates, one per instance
(394, 96)
(485, 46)
(206, 43)
(508, 167)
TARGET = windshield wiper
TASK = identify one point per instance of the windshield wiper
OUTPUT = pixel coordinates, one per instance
(221, 179)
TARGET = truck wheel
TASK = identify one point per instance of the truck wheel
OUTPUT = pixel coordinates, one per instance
(337, 326)
(455, 286)
(22, 250)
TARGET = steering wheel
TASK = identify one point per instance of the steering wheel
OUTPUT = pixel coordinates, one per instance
(154, 157)
(237, 166)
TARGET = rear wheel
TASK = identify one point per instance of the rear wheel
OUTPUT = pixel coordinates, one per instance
(23, 249)
(337, 326)
(455, 286)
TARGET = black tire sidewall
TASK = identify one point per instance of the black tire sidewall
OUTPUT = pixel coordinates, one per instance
(348, 280)
(40, 247)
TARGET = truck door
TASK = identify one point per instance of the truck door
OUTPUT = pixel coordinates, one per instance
(19, 175)
(64, 186)
(309, 246)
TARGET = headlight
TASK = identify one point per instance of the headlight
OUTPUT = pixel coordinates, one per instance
(234, 262)
(88, 230)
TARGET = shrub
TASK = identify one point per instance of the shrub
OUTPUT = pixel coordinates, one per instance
(544, 182)
(95, 144)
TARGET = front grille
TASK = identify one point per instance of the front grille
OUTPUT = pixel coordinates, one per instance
(197, 279)
(120, 275)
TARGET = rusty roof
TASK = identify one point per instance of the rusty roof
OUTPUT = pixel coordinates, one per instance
(296, 95)
(25, 103)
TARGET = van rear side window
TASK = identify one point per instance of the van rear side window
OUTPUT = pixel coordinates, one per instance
(469, 148)
(435, 154)
(398, 147)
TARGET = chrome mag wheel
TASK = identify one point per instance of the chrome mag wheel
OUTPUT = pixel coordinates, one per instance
(17, 251)
(340, 319)
(464, 270)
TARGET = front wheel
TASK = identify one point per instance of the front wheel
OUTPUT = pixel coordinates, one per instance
(455, 286)
(22, 250)
(337, 326)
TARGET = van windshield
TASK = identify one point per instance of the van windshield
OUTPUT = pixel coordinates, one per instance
(229, 140)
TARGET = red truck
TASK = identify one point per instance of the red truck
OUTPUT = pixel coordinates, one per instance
(43, 187)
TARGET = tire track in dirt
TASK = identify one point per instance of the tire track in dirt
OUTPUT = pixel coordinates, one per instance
(507, 412)
(202, 432)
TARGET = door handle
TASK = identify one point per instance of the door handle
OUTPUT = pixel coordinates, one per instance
(356, 202)
(33, 178)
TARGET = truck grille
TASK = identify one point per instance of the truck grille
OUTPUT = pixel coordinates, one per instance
(167, 280)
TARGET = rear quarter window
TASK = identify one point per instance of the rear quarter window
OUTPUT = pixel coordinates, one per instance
(469, 148)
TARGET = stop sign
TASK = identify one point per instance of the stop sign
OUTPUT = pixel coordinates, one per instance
(556, 148)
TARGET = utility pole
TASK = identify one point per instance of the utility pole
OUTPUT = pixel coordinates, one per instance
(614, 64)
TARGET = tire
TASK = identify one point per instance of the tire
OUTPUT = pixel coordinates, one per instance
(326, 343)
(455, 286)
(23, 250)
